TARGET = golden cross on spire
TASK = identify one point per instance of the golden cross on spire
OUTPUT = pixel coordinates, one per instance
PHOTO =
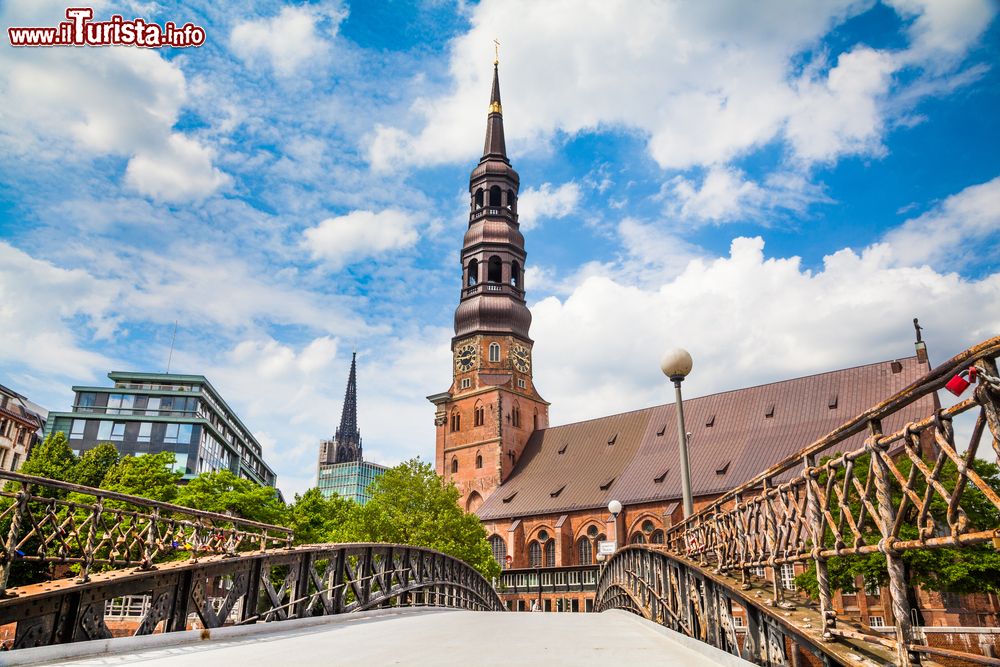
(496, 51)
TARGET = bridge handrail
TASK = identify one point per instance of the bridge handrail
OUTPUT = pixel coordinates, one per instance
(800, 510)
(99, 532)
(933, 381)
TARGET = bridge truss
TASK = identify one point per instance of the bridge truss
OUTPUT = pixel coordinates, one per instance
(856, 491)
(181, 561)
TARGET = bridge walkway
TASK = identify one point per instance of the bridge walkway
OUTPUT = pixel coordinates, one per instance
(414, 636)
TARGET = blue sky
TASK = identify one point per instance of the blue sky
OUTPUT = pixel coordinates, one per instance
(779, 188)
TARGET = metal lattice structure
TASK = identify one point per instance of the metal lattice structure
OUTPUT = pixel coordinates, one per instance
(831, 499)
(296, 582)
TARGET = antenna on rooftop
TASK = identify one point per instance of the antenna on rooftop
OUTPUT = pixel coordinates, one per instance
(170, 356)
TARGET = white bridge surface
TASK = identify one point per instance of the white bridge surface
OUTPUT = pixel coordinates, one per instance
(401, 637)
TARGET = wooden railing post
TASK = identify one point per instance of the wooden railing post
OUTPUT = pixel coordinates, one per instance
(10, 546)
(815, 521)
(897, 576)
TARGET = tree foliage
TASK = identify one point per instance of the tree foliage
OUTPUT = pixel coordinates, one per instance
(411, 504)
(51, 458)
(965, 570)
(224, 492)
(317, 520)
(150, 476)
(94, 464)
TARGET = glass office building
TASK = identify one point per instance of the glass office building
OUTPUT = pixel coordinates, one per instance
(148, 413)
(349, 480)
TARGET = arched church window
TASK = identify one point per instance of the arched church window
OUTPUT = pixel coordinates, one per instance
(479, 198)
(479, 461)
(515, 274)
(656, 537)
(511, 200)
(473, 273)
(499, 548)
(454, 465)
(479, 418)
(494, 352)
(515, 415)
(456, 421)
(534, 554)
(495, 195)
(550, 553)
(494, 273)
(637, 538)
(585, 551)
(534, 421)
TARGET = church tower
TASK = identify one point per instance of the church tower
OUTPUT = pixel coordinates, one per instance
(484, 420)
(345, 447)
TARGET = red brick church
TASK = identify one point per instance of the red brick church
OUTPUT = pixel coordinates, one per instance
(542, 492)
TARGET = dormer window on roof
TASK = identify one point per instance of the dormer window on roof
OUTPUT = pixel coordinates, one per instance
(562, 450)
(769, 412)
(710, 422)
(662, 476)
(724, 469)
(612, 439)
(555, 494)
(663, 429)
(607, 483)
(831, 402)
(509, 498)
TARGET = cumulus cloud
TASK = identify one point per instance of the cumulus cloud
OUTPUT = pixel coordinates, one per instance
(287, 40)
(704, 82)
(952, 234)
(66, 103)
(358, 235)
(747, 318)
(536, 204)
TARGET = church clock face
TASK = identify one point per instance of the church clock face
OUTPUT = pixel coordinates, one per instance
(465, 358)
(521, 358)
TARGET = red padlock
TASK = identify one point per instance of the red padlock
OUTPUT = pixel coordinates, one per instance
(958, 384)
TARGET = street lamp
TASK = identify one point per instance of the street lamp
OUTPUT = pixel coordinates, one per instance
(615, 508)
(676, 365)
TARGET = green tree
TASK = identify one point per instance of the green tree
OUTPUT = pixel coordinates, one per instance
(317, 520)
(51, 458)
(94, 464)
(150, 476)
(963, 570)
(411, 504)
(224, 492)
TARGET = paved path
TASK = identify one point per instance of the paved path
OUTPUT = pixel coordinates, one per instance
(410, 637)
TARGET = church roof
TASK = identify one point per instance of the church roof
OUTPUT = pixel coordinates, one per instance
(735, 435)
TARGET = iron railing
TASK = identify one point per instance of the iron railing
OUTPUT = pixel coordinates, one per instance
(889, 495)
(58, 522)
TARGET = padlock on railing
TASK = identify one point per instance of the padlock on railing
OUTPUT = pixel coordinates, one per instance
(958, 384)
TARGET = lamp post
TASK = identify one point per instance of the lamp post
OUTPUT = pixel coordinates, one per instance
(615, 508)
(676, 365)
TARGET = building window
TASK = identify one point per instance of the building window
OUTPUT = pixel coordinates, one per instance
(515, 415)
(145, 432)
(456, 421)
(495, 194)
(656, 537)
(86, 401)
(479, 461)
(466, 383)
(550, 553)
(515, 274)
(534, 554)
(118, 432)
(473, 273)
(77, 432)
(104, 431)
(520, 383)
(637, 538)
(585, 550)
(499, 548)
(153, 406)
(648, 526)
(592, 531)
(120, 404)
(479, 198)
(876, 622)
(788, 576)
(177, 434)
(480, 415)
(454, 465)
(870, 585)
(494, 352)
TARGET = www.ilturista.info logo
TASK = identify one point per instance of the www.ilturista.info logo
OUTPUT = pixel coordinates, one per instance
(79, 30)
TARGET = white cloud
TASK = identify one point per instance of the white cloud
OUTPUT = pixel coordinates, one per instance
(842, 113)
(357, 235)
(941, 30)
(746, 319)
(70, 103)
(952, 234)
(287, 40)
(705, 82)
(534, 205)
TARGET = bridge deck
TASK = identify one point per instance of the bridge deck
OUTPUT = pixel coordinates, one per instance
(410, 637)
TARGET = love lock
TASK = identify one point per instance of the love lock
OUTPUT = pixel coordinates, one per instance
(958, 384)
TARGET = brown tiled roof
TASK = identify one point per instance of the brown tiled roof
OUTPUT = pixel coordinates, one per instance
(633, 456)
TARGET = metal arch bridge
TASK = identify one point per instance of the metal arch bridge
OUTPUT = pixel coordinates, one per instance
(890, 495)
(857, 501)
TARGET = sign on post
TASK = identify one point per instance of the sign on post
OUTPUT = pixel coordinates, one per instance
(606, 547)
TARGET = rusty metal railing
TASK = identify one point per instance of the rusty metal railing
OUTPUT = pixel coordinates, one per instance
(858, 491)
(92, 527)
